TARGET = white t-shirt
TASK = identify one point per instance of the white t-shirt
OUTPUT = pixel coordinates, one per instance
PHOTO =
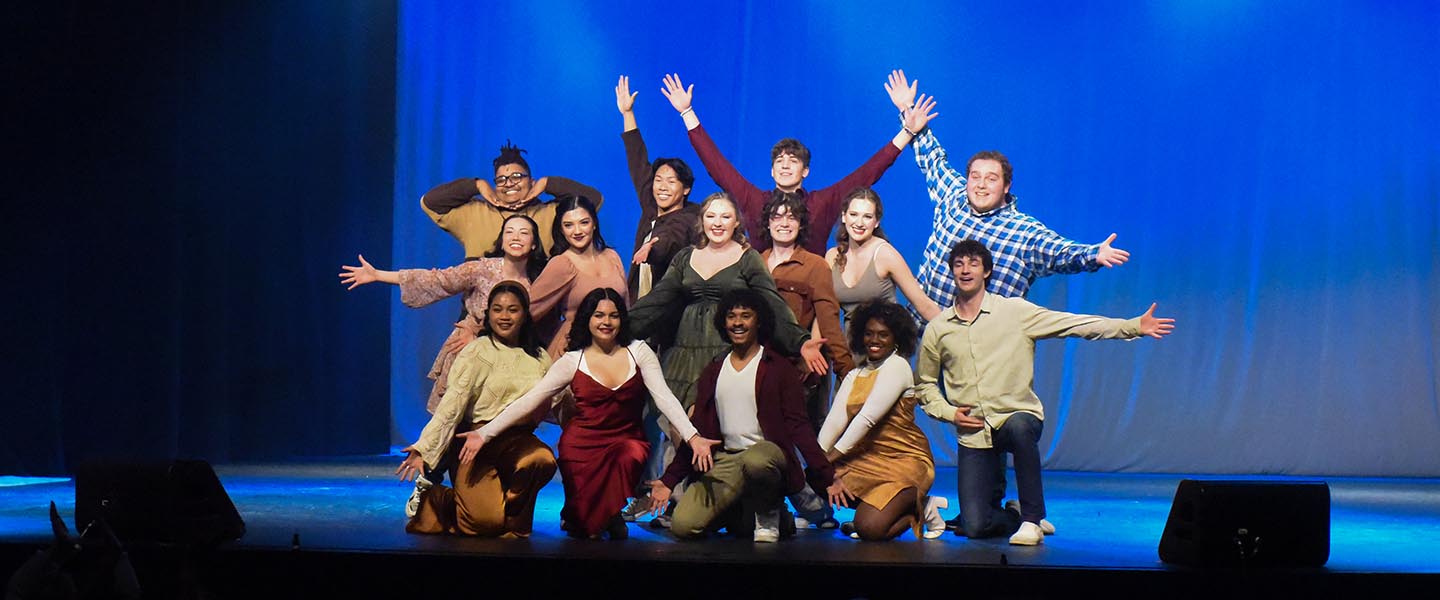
(735, 404)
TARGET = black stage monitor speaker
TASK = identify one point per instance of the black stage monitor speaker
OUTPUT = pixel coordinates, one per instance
(1248, 523)
(176, 502)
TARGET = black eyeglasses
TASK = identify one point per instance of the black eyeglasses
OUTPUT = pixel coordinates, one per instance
(512, 178)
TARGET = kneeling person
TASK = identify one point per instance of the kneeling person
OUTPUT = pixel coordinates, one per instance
(976, 370)
(752, 399)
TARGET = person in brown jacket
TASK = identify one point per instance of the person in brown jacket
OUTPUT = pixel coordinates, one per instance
(476, 222)
(804, 282)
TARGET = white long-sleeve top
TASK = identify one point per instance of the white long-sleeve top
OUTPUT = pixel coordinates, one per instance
(561, 373)
(893, 380)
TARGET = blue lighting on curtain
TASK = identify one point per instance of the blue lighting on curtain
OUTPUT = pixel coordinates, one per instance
(1272, 168)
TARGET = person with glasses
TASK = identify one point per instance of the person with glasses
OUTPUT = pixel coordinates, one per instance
(473, 210)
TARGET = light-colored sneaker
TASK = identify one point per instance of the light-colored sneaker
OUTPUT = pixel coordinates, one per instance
(934, 523)
(1046, 526)
(412, 506)
(1028, 535)
(767, 526)
(638, 506)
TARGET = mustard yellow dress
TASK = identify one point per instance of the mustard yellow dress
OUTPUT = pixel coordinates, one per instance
(883, 451)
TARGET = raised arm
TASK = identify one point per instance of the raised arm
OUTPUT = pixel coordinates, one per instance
(891, 382)
(719, 168)
(891, 264)
(556, 378)
(625, 101)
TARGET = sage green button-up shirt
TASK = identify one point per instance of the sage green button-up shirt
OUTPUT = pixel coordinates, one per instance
(988, 364)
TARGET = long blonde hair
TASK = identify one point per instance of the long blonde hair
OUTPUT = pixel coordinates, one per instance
(842, 235)
(701, 240)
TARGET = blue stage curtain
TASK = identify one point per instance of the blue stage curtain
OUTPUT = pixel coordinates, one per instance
(1272, 167)
(185, 182)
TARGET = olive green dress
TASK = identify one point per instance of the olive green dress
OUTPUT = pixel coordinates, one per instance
(684, 303)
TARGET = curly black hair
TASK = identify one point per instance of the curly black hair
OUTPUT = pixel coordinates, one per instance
(510, 154)
(971, 248)
(746, 298)
(781, 199)
(895, 318)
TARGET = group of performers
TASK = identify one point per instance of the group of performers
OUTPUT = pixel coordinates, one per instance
(749, 312)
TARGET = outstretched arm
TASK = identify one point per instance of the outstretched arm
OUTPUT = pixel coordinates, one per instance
(1156, 327)
(1052, 253)
(1039, 323)
(423, 287)
(649, 314)
(366, 273)
(556, 378)
(467, 377)
(649, 366)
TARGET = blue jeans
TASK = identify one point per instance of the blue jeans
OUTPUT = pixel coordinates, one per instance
(981, 479)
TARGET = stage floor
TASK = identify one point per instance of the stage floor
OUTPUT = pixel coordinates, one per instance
(1105, 521)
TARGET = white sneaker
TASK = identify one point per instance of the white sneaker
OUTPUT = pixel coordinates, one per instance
(1046, 526)
(801, 522)
(934, 523)
(1028, 535)
(412, 505)
(767, 526)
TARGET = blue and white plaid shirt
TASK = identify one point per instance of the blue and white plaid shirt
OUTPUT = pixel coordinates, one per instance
(1023, 248)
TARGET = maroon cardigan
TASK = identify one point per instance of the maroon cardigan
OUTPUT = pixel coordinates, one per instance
(780, 408)
(823, 204)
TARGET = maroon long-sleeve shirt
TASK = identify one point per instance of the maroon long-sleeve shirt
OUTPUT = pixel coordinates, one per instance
(824, 204)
